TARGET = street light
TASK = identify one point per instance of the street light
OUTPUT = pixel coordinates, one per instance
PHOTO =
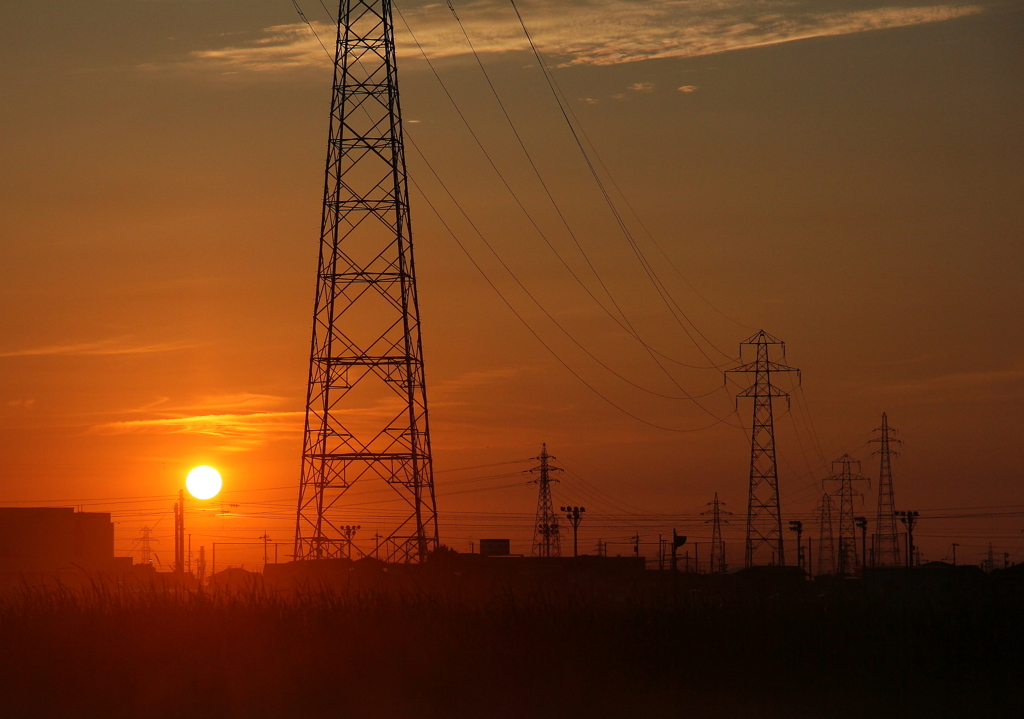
(574, 515)
(349, 530)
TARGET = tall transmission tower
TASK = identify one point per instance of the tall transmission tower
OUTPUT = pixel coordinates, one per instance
(887, 539)
(826, 542)
(717, 545)
(764, 519)
(842, 472)
(547, 541)
(366, 405)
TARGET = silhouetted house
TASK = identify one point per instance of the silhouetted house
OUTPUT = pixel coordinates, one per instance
(48, 539)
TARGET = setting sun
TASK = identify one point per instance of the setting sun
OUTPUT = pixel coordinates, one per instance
(203, 482)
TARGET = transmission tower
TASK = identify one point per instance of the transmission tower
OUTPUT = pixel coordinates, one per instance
(764, 519)
(826, 543)
(546, 536)
(887, 540)
(146, 541)
(842, 472)
(717, 545)
(366, 405)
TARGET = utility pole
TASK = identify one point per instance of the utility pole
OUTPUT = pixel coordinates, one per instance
(547, 540)
(266, 539)
(826, 545)
(201, 566)
(797, 526)
(574, 515)
(635, 539)
(366, 320)
(887, 545)
(842, 472)
(862, 524)
(717, 563)
(955, 545)
(764, 517)
(179, 533)
(909, 519)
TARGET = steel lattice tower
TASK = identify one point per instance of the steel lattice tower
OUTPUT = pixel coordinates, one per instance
(847, 525)
(887, 540)
(366, 406)
(764, 519)
(826, 542)
(717, 545)
(547, 540)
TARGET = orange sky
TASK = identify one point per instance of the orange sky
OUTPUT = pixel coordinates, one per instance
(845, 176)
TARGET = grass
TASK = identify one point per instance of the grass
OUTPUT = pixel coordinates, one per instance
(656, 651)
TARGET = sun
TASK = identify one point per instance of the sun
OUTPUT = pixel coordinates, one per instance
(203, 482)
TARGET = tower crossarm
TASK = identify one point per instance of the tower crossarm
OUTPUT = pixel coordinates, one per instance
(766, 366)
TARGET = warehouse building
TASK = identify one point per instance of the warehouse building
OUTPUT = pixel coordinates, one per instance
(49, 539)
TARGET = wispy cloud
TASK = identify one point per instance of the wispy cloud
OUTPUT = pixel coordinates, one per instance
(221, 425)
(240, 431)
(596, 32)
(122, 346)
(243, 419)
(642, 87)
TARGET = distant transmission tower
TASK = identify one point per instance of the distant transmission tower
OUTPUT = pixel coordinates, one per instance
(547, 540)
(887, 539)
(146, 542)
(764, 519)
(717, 545)
(842, 472)
(826, 543)
(366, 405)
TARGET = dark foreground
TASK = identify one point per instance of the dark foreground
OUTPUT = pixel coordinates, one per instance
(659, 651)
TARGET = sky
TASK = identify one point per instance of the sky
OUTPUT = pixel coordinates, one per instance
(845, 175)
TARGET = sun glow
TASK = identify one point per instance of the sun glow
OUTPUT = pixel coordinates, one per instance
(203, 482)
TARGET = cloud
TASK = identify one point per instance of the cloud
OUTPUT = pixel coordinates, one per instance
(103, 347)
(594, 32)
(688, 88)
(280, 47)
(241, 431)
(236, 401)
(642, 87)
(225, 417)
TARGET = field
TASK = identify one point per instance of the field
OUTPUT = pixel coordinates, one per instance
(668, 650)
